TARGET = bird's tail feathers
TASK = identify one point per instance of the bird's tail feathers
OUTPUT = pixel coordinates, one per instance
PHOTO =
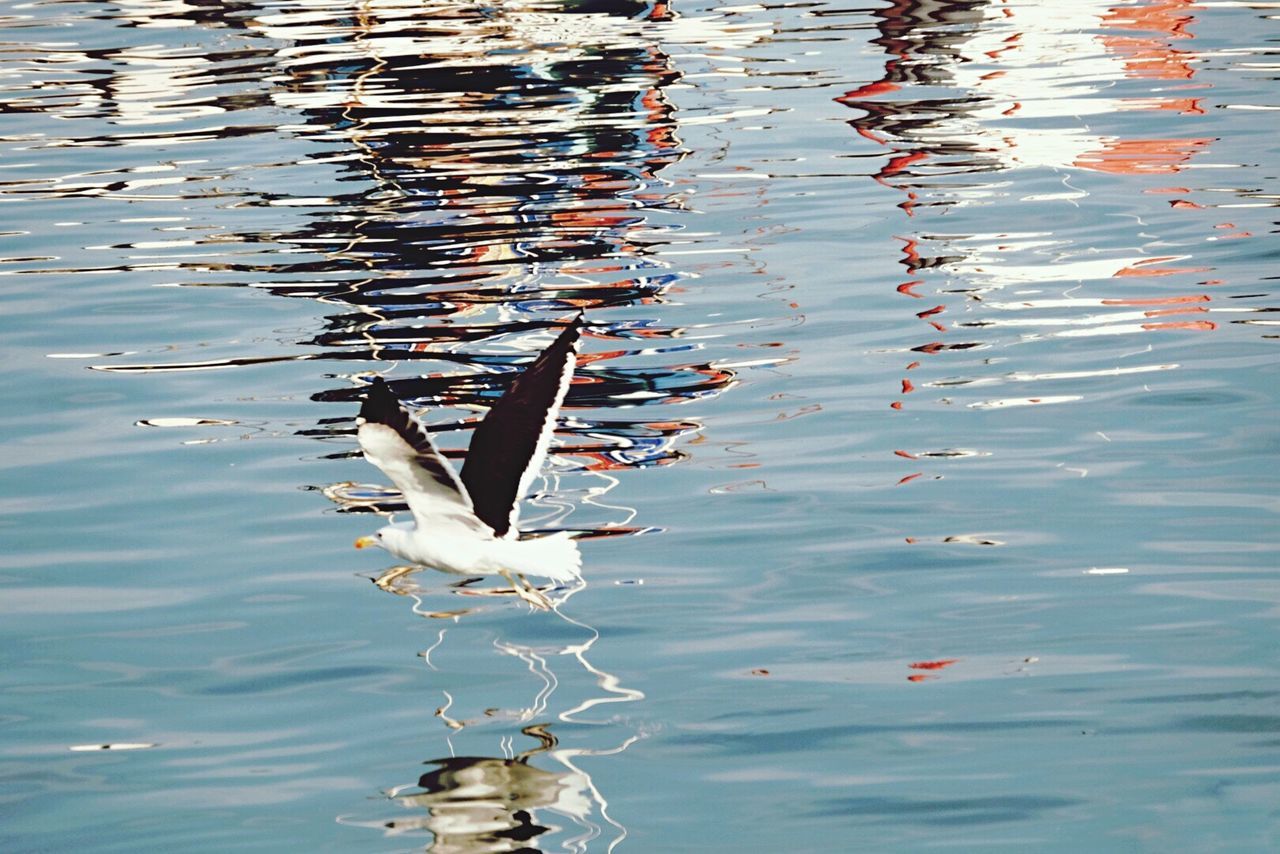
(554, 556)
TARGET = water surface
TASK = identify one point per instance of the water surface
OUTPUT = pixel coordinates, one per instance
(922, 446)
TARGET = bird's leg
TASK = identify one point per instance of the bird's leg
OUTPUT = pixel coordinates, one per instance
(535, 590)
(531, 587)
(535, 597)
(529, 594)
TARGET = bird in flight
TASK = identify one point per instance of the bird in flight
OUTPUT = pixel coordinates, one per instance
(466, 524)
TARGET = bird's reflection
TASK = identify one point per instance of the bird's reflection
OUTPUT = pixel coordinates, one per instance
(504, 801)
(489, 803)
(486, 803)
(408, 581)
(472, 804)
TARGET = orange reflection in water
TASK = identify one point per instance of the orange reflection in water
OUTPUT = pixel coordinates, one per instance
(1136, 156)
(1034, 61)
(930, 666)
(1150, 54)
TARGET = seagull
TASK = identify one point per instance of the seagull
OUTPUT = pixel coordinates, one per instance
(466, 525)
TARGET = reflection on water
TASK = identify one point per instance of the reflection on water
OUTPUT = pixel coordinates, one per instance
(487, 804)
(495, 185)
(503, 803)
(491, 804)
(499, 185)
(977, 95)
(1011, 260)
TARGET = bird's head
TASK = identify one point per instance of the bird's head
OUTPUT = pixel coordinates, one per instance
(385, 538)
(366, 542)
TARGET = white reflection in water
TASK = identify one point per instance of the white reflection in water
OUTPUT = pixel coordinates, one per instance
(120, 745)
(506, 802)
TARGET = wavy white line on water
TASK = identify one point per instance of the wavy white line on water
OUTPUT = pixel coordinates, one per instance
(1022, 376)
(1024, 401)
(120, 745)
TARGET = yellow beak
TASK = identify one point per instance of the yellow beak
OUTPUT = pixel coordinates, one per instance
(365, 542)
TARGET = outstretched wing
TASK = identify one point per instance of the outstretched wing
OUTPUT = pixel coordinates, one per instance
(511, 442)
(396, 443)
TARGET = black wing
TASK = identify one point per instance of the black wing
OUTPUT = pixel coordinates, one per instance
(511, 442)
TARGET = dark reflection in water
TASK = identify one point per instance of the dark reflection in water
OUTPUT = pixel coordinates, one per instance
(482, 804)
(504, 185)
(504, 165)
(497, 180)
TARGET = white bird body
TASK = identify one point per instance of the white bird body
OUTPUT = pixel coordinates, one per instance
(554, 557)
(467, 525)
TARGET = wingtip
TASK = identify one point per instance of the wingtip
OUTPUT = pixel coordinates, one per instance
(379, 405)
(573, 328)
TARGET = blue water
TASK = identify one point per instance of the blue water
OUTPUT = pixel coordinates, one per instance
(923, 447)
